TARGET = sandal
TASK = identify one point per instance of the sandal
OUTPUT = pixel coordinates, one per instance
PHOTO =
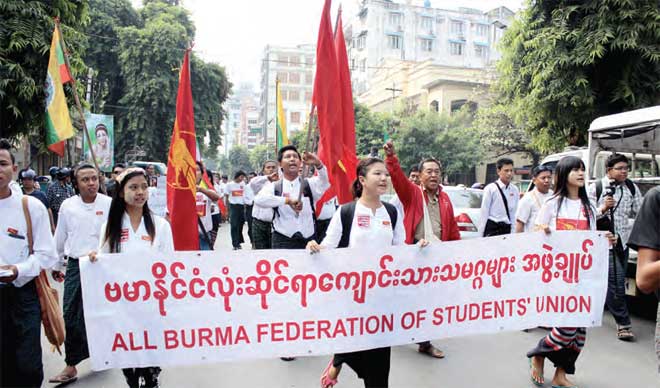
(431, 351)
(63, 379)
(533, 371)
(625, 334)
(326, 381)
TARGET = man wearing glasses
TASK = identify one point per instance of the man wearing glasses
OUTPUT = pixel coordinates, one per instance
(110, 185)
(530, 204)
(618, 201)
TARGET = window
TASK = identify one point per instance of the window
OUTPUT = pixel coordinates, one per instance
(395, 19)
(456, 48)
(427, 23)
(435, 106)
(294, 78)
(294, 95)
(394, 42)
(284, 94)
(295, 117)
(427, 45)
(480, 51)
(456, 27)
(363, 65)
(482, 30)
(308, 96)
(361, 41)
(282, 76)
(309, 60)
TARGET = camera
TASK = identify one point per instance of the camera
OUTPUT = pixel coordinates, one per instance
(611, 189)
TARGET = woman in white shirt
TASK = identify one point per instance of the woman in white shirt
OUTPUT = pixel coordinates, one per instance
(377, 224)
(568, 209)
(132, 228)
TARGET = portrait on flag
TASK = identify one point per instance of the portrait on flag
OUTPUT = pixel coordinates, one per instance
(101, 134)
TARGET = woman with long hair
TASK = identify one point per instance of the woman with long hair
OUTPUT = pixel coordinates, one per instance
(364, 221)
(568, 209)
(132, 228)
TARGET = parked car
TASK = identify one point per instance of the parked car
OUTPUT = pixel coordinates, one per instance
(467, 209)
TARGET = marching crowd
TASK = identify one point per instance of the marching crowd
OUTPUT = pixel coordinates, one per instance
(75, 219)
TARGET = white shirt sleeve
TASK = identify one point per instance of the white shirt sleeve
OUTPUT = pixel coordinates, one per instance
(60, 234)
(166, 244)
(399, 231)
(45, 253)
(319, 184)
(485, 208)
(545, 213)
(257, 183)
(333, 234)
(267, 198)
(525, 209)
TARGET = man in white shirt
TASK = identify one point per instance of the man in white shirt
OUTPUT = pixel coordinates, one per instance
(77, 234)
(262, 217)
(531, 202)
(500, 202)
(20, 310)
(249, 204)
(293, 225)
(234, 192)
(204, 197)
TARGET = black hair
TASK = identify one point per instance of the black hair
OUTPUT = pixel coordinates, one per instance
(361, 170)
(501, 162)
(420, 166)
(116, 214)
(6, 145)
(563, 168)
(263, 166)
(224, 176)
(209, 173)
(74, 175)
(539, 169)
(120, 165)
(615, 158)
(239, 173)
(413, 169)
(101, 127)
(290, 147)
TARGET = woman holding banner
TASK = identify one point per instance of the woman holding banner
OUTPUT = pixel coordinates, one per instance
(568, 209)
(132, 228)
(376, 223)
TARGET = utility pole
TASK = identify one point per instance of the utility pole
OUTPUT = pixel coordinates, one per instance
(394, 90)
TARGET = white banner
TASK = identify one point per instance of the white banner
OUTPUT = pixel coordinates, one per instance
(200, 307)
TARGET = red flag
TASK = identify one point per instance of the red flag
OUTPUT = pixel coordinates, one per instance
(326, 95)
(181, 168)
(335, 110)
(345, 175)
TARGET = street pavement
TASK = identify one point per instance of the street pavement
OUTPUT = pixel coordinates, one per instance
(488, 361)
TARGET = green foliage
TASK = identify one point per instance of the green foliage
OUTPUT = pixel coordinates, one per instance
(450, 139)
(223, 164)
(210, 88)
(259, 154)
(500, 134)
(25, 36)
(239, 159)
(299, 139)
(370, 129)
(564, 63)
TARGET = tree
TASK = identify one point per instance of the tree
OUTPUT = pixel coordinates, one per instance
(259, 154)
(239, 159)
(370, 129)
(498, 131)
(25, 36)
(450, 139)
(210, 88)
(565, 62)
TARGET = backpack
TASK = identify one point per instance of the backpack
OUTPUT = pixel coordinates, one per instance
(347, 212)
(306, 190)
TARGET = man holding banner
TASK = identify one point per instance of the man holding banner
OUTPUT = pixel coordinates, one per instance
(429, 214)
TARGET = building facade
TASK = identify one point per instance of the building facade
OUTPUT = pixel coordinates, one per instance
(235, 125)
(383, 30)
(294, 67)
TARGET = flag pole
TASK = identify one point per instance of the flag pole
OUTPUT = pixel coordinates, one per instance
(277, 108)
(77, 99)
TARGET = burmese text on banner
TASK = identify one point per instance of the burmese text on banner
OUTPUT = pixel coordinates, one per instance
(200, 307)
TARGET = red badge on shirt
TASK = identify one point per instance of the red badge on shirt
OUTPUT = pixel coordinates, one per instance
(387, 223)
(237, 193)
(146, 238)
(99, 212)
(124, 235)
(12, 231)
(363, 221)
